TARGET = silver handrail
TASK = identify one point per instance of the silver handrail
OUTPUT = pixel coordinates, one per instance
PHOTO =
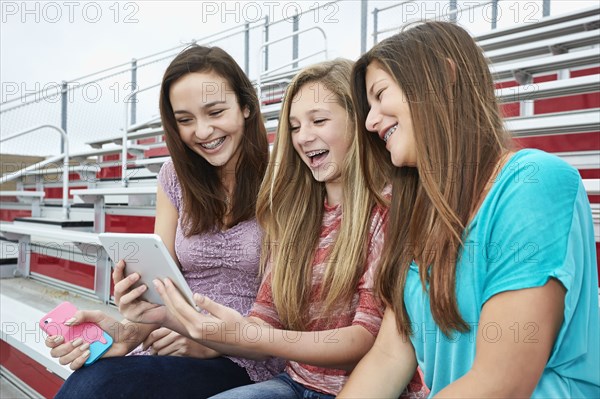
(311, 9)
(240, 29)
(265, 44)
(124, 179)
(454, 12)
(394, 5)
(64, 156)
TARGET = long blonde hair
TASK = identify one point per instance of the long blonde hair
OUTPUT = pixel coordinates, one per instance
(459, 138)
(290, 210)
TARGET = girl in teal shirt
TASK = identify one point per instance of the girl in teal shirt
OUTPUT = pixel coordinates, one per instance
(489, 266)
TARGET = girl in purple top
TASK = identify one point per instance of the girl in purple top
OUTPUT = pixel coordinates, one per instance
(206, 200)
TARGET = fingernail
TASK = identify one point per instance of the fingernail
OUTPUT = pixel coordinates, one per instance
(58, 338)
(134, 277)
(198, 297)
(77, 342)
(84, 346)
(142, 288)
(155, 282)
(86, 353)
(70, 321)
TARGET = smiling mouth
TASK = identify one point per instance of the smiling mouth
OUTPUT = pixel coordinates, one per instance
(390, 131)
(317, 156)
(211, 145)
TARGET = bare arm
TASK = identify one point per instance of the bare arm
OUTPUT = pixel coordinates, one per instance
(226, 331)
(163, 341)
(165, 223)
(510, 364)
(387, 369)
(158, 340)
(340, 348)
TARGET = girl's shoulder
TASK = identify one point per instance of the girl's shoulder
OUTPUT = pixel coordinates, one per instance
(167, 167)
(539, 162)
(536, 170)
(167, 174)
(380, 211)
(533, 184)
(387, 192)
(167, 178)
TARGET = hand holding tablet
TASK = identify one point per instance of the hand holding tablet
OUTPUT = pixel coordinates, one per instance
(148, 256)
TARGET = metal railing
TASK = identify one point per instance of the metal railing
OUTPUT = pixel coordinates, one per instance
(452, 14)
(294, 61)
(125, 77)
(64, 156)
(131, 98)
(134, 65)
(126, 129)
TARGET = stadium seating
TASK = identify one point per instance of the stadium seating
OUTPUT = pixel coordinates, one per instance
(547, 77)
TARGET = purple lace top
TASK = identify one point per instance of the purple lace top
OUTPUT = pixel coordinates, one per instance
(222, 265)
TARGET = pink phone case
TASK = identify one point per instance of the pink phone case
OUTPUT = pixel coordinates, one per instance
(53, 324)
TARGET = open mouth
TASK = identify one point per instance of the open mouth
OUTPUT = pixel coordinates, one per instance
(211, 145)
(390, 131)
(317, 156)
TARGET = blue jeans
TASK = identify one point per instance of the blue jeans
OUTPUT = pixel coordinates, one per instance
(154, 377)
(279, 387)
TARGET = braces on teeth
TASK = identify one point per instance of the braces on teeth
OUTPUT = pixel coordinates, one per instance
(213, 144)
(315, 153)
(389, 133)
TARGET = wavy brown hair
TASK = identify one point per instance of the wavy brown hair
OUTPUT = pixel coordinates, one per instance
(204, 196)
(459, 138)
(290, 210)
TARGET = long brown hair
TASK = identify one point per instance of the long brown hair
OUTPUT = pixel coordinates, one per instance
(290, 210)
(459, 137)
(204, 197)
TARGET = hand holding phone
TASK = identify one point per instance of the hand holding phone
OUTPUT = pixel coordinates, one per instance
(53, 323)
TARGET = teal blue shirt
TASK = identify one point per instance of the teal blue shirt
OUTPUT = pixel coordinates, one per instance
(534, 224)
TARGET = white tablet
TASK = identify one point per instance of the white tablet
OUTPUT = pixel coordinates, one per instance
(148, 256)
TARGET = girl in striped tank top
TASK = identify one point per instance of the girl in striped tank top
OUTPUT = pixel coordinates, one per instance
(323, 235)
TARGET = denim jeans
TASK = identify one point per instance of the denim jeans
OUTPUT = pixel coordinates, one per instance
(154, 377)
(279, 387)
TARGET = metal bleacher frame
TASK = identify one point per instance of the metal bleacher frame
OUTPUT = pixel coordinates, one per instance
(151, 128)
(30, 197)
(552, 26)
(567, 32)
(545, 46)
(98, 197)
(555, 123)
(557, 43)
(580, 29)
(523, 69)
(554, 88)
